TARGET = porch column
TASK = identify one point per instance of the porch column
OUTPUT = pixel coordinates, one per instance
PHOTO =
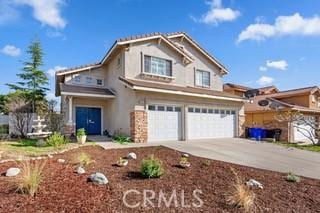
(69, 127)
(70, 110)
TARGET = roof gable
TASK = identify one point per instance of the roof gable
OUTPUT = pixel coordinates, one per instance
(161, 37)
(191, 41)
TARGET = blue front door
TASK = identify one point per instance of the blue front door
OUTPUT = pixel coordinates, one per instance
(89, 118)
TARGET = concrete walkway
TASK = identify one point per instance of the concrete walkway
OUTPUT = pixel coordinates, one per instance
(244, 152)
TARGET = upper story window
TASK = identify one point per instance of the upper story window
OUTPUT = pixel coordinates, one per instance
(99, 82)
(77, 79)
(157, 66)
(202, 78)
(88, 80)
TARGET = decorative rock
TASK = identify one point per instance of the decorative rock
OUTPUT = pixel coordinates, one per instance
(185, 155)
(39, 158)
(254, 183)
(50, 156)
(12, 172)
(132, 155)
(61, 160)
(99, 178)
(80, 170)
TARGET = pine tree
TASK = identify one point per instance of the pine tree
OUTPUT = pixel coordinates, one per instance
(33, 79)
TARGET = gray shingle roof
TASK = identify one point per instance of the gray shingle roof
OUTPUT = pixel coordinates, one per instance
(84, 90)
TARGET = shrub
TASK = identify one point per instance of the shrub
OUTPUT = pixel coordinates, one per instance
(30, 177)
(293, 178)
(151, 167)
(81, 132)
(28, 142)
(241, 195)
(206, 162)
(83, 159)
(122, 162)
(121, 139)
(56, 140)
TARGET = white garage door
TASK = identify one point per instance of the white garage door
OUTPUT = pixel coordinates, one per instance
(164, 123)
(302, 131)
(205, 123)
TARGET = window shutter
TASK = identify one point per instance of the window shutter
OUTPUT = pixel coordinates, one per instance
(147, 63)
(168, 68)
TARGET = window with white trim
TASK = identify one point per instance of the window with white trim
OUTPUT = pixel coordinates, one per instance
(88, 80)
(77, 79)
(99, 82)
(157, 66)
(202, 78)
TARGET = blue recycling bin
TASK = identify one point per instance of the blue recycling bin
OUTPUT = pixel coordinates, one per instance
(257, 133)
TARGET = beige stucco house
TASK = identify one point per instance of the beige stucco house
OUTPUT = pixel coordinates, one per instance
(154, 87)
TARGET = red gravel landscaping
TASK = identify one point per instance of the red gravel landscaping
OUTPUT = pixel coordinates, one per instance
(62, 190)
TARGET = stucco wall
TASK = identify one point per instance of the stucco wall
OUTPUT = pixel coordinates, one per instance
(99, 73)
(303, 100)
(183, 74)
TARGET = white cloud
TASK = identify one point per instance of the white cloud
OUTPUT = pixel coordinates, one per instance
(265, 80)
(52, 72)
(284, 25)
(302, 58)
(279, 65)
(218, 13)
(263, 68)
(46, 11)
(11, 50)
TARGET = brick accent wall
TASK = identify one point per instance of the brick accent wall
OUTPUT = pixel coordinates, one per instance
(69, 129)
(139, 126)
(241, 125)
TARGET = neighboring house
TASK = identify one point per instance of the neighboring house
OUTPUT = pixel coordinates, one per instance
(155, 87)
(240, 90)
(303, 100)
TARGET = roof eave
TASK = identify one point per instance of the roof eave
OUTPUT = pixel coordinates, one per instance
(223, 69)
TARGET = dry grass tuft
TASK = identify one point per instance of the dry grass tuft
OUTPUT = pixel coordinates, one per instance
(30, 177)
(82, 159)
(241, 195)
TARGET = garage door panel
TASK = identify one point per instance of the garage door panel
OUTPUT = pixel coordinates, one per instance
(164, 125)
(208, 125)
(302, 131)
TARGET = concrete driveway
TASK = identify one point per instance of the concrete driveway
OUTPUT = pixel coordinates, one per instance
(259, 155)
(248, 153)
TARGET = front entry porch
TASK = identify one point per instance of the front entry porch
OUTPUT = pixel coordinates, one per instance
(86, 109)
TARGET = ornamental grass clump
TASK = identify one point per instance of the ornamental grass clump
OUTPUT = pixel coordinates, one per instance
(82, 159)
(151, 167)
(241, 195)
(30, 177)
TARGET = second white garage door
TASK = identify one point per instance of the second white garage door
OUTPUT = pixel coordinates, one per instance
(206, 123)
(164, 123)
(302, 131)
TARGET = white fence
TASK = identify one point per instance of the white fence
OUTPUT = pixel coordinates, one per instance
(4, 119)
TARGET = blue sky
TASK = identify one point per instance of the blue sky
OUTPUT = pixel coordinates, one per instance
(261, 42)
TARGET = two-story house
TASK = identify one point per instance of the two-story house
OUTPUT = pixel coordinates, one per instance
(302, 100)
(154, 87)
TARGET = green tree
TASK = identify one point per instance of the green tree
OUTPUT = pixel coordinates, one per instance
(33, 79)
